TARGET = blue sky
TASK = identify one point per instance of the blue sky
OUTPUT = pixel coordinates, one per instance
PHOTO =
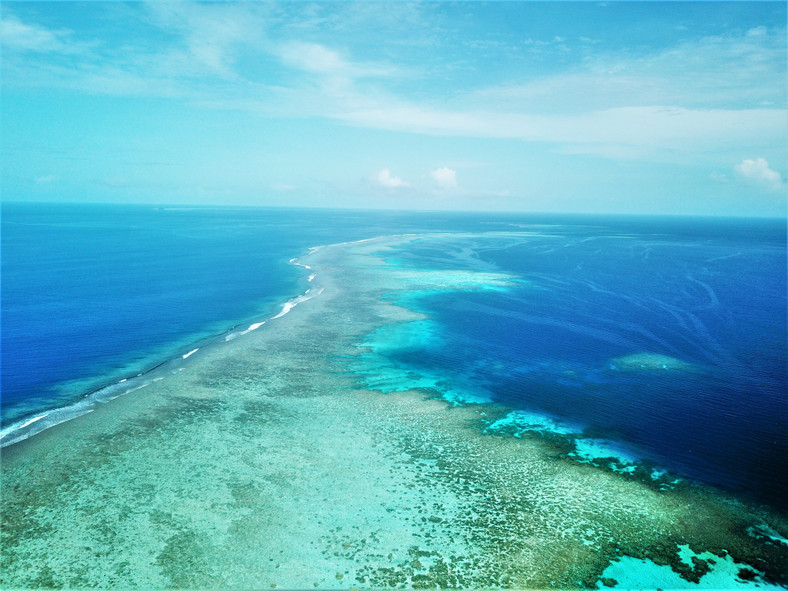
(627, 107)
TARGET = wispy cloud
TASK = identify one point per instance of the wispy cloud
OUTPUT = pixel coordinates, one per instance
(314, 58)
(711, 73)
(697, 95)
(319, 59)
(191, 55)
(16, 35)
(209, 36)
(639, 129)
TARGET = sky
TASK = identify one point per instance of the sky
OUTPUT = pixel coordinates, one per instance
(581, 107)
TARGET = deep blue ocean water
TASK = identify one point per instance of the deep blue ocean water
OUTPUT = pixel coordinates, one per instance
(92, 294)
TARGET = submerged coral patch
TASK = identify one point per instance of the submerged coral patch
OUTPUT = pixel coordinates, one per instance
(717, 572)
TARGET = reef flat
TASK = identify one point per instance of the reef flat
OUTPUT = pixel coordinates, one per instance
(262, 463)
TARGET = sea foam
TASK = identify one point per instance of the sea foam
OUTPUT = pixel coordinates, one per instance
(289, 305)
(31, 421)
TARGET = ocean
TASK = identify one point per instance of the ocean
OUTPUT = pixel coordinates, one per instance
(665, 335)
(92, 294)
(658, 339)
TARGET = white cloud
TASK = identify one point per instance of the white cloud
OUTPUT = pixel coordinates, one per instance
(385, 179)
(445, 177)
(758, 171)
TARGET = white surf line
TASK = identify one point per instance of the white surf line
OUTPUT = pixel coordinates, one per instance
(66, 413)
(360, 241)
(11, 430)
(289, 305)
(252, 327)
(190, 353)
(118, 395)
(31, 421)
(295, 301)
(285, 309)
(294, 261)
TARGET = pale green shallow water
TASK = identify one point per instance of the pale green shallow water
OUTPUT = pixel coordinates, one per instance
(261, 466)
